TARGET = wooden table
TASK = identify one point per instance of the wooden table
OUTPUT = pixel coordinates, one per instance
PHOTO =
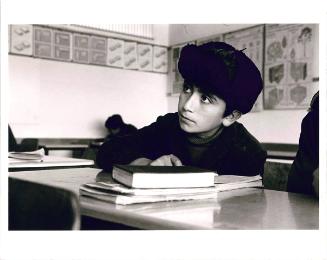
(250, 208)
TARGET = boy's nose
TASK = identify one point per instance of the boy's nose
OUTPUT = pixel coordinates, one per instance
(190, 103)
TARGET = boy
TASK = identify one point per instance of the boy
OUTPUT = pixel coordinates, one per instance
(116, 126)
(220, 84)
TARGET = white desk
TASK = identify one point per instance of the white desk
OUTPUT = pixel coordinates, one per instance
(48, 162)
(239, 209)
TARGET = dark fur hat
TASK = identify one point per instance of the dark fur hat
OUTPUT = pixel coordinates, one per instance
(220, 69)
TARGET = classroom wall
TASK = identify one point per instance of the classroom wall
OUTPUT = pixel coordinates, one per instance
(181, 33)
(51, 99)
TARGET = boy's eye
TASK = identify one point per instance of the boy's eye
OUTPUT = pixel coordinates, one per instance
(206, 99)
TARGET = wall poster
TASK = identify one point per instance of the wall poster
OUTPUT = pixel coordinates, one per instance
(291, 69)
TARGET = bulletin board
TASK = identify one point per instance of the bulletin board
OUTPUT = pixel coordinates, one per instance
(290, 76)
(115, 52)
(144, 56)
(251, 42)
(47, 42)
(160, 59)
(130, 55)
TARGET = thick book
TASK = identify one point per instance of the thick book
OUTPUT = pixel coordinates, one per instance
(112, 186)
(163, 176)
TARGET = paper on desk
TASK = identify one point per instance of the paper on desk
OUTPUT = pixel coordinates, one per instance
(236, 178)
(233, 182)
(32, 155)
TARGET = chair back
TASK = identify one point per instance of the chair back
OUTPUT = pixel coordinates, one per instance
(276, 174)
(29, 144)
(34, 206)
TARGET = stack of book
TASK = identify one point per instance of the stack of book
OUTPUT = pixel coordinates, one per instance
(137, 184)
(131, 184)
(36, 155)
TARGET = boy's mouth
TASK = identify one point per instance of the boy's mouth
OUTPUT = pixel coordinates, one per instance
(186, 119)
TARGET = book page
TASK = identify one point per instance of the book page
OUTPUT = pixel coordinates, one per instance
(236, 178)
(32, 155)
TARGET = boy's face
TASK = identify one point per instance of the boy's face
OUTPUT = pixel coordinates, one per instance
(198, 112)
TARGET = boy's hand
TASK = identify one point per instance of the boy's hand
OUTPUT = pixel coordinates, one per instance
(167, 160)
(141, 161)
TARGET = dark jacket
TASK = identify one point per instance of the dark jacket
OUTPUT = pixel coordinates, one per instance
(307, 157)
(125, 129)
(234, 151)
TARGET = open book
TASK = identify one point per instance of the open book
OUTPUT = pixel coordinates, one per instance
(232, 182)
(36, 155)
(125, 199)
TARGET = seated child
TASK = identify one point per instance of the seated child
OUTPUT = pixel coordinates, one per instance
(220, 84)
(116, 126)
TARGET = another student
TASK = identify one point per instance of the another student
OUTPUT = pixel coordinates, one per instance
(304, 174)
(220, 84)
(116, 126)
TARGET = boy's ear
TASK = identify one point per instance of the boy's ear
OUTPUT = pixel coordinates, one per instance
(231, 118)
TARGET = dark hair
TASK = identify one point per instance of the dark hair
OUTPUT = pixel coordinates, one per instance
(114, 122)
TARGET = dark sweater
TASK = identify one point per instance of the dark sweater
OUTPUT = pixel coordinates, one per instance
(307, 157)
(234, 151)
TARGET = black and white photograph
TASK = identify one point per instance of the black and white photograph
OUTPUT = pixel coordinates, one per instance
(169, 140)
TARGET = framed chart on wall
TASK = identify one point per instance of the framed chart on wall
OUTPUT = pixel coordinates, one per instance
(176, 78)
(251, 42)
(291, 65)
